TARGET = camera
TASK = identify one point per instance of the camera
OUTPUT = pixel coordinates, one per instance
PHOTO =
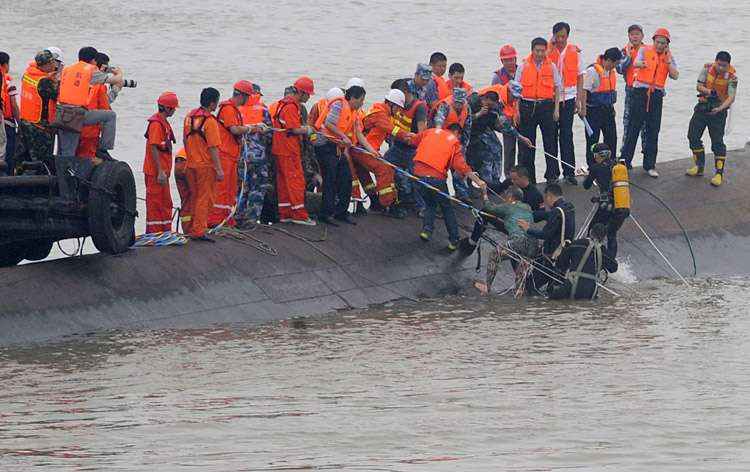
(129, 83)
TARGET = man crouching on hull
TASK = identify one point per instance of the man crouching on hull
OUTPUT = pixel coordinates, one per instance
(579, 266)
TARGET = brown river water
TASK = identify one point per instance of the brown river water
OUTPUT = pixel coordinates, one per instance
(656, 380)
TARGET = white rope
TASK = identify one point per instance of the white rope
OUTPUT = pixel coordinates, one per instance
(660, 253)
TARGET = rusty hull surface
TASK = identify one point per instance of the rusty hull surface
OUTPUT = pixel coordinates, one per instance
(380, 260)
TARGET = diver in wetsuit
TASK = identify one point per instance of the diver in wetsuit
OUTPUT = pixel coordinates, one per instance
(613, 208)
(579, 266)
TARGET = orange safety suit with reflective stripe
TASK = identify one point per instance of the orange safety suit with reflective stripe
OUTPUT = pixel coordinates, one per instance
(89, 141)
(538, 83)
(200, 133)
(286, 147)
(158, 197)
(225, 196)
(75, 84)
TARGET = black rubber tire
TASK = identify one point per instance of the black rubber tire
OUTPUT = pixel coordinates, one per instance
(12, 253)
(37, 249)
(111, 207)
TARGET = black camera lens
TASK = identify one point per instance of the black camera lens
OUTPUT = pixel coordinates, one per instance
(129, 83)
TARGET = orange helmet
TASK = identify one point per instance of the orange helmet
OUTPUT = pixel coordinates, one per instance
(508, 52)
(305, 84)
(662, 32)
(168, 99)
(245, 87)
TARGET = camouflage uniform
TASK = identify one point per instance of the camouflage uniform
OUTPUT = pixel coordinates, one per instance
(36, 142)
(254, 174)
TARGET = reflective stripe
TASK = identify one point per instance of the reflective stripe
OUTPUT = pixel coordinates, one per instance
(223, 207)
(387, 190)
(186, 218)
(285, 204)
(395, 130)
(371, 186)
(298, 207)
(159, 222)
(621, 184)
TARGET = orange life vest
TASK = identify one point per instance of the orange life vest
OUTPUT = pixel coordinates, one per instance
(719, 82)
(569, 66)
(5, 98)
(453, 116)
(195, 121)
(405, 119)
(346, 123)
(606, 93)
(656, 70)
(252, 111)
(443, 89)
(75, 84)
(165, 147)
(31, 102)
(632, 52)
(538, 84)
(376, 135)
(464, 85)
(437, 148)
(503, 92)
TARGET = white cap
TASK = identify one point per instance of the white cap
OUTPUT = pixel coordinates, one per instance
(56, 53)
(334, 93)
(355, 82)
(396, 97)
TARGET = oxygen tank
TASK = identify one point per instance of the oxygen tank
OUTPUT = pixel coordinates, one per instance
(620, 187)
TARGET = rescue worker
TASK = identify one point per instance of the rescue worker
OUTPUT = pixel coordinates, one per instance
(342, 129)
(502, 76)
(202, 138)
(579, 266)
(626, 68)
(100, 98)
(39, 88)
(439, 150)
(377, 126)
(654, 64)
(559, 227)
(75, 84)
(450, 110)
(232, 131)
(519, 177)
(567, 58)
(255, 174)
(437, 88)
(539, 107)
(511, 211)
(614, 193)
(320, 107)
(157, 164)
(287, 151)
(717, 89)
(456, 80)
(10, 112)
(418, 84)
(598, 97)
(484, 152)
(401, 153)
(183, 187)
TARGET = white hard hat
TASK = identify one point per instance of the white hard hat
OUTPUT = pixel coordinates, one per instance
(56, 53)
(355, 82)
(334, 93)
(396, 97)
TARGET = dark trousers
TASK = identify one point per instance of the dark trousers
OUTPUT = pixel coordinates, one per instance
(565, 136)
(431, 201)
(602, 122)
(509, 153)
(337, 180)
(539, 114)
(10, 148)
(698, 124)
(645, 112)
(613, 220)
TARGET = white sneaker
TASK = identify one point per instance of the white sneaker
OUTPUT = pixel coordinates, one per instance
(653, 173)
(286, 220)
(307, 222)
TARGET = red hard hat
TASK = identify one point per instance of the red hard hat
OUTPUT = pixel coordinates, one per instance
(508, 52)
(305, 84)
(662, 32)
(245, 87)
(168, 99)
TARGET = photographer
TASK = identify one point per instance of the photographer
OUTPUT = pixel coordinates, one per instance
(717, 88)
(73, 99)
(100, 98)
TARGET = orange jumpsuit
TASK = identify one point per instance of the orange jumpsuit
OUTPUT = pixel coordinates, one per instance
(181, 180)
(290, 179)
(200, 133)
(158, 196)
(89, 141)
(225, 198)
(378, 124)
